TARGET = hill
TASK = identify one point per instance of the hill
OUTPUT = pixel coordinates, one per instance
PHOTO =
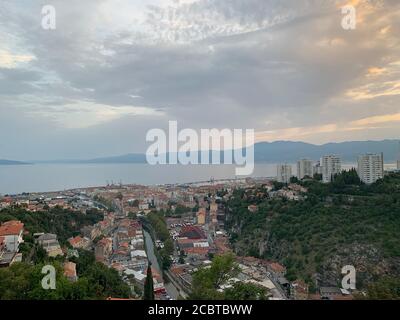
(337, 224)
(11, 162)
(279, 151)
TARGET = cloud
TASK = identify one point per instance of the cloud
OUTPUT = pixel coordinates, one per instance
(285, 68)
(84, 115)
(9, 60)
(387, 118)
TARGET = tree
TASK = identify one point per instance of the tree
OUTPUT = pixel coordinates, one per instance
(245, 291)
(294, 180)
(148, 293)
(207, 282)
(387, 288)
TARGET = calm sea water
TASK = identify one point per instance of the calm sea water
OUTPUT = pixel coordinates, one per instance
(56, 177)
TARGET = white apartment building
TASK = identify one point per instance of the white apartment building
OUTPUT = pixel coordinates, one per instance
(304, 168)
(331, 165)
(284, 173)
(370, 167)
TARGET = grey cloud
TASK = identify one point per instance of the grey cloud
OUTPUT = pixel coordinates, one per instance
(211, 63)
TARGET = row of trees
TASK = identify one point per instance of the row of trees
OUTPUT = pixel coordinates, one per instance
(159, 225)
(64, 223)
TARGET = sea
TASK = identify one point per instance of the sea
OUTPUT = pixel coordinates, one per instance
(16, 179)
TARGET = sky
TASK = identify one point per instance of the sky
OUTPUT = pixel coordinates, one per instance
(114, 69)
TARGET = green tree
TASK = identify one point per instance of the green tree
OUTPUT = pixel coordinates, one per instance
(148, 293)
(207, 281)
(245, 291)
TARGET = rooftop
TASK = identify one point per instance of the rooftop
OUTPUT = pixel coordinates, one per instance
(12, 227)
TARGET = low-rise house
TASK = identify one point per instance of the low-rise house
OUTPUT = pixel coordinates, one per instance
(8, 258)
(49, 242)
(70, 271)
(79, 243)
(12, 232)
(91, 232)
(103, 249)
(334, 293)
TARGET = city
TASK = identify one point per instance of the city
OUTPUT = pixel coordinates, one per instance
(199, 158)
(191, 229)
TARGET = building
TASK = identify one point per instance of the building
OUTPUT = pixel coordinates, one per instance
(370, 167)
(192, 232)
(103, 249)
(304, 169)
(284, 173)
(331, 165)
(11, 232)
(70, 271)
(79, 243)
(50, 243)
(201, 216)
(329, 293)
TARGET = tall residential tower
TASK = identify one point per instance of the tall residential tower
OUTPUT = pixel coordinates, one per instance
(304, 168)
(284, 173)
(370, 167)
(331, 165)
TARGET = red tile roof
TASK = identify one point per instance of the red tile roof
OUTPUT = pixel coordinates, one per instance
(11, 228)
(75, 241)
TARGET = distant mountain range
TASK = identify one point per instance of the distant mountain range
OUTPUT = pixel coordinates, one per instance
(126, 158)
(269, 152)
(282, 151)
(12, 162)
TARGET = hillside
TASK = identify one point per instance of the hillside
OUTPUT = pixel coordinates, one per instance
(337, 224)
(11, 162)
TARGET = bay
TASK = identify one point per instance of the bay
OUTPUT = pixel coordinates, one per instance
(15, 179)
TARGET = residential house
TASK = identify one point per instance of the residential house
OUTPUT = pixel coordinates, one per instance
(70, 271)
(50, 243)
(103, 249)
(12, 232)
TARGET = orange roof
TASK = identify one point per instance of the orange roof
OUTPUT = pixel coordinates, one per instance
(275, 266)
(75, 241)
(12, 227)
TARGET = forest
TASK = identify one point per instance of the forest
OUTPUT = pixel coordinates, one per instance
(340, 223)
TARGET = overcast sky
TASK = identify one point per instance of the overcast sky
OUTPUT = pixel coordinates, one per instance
(114, 69)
